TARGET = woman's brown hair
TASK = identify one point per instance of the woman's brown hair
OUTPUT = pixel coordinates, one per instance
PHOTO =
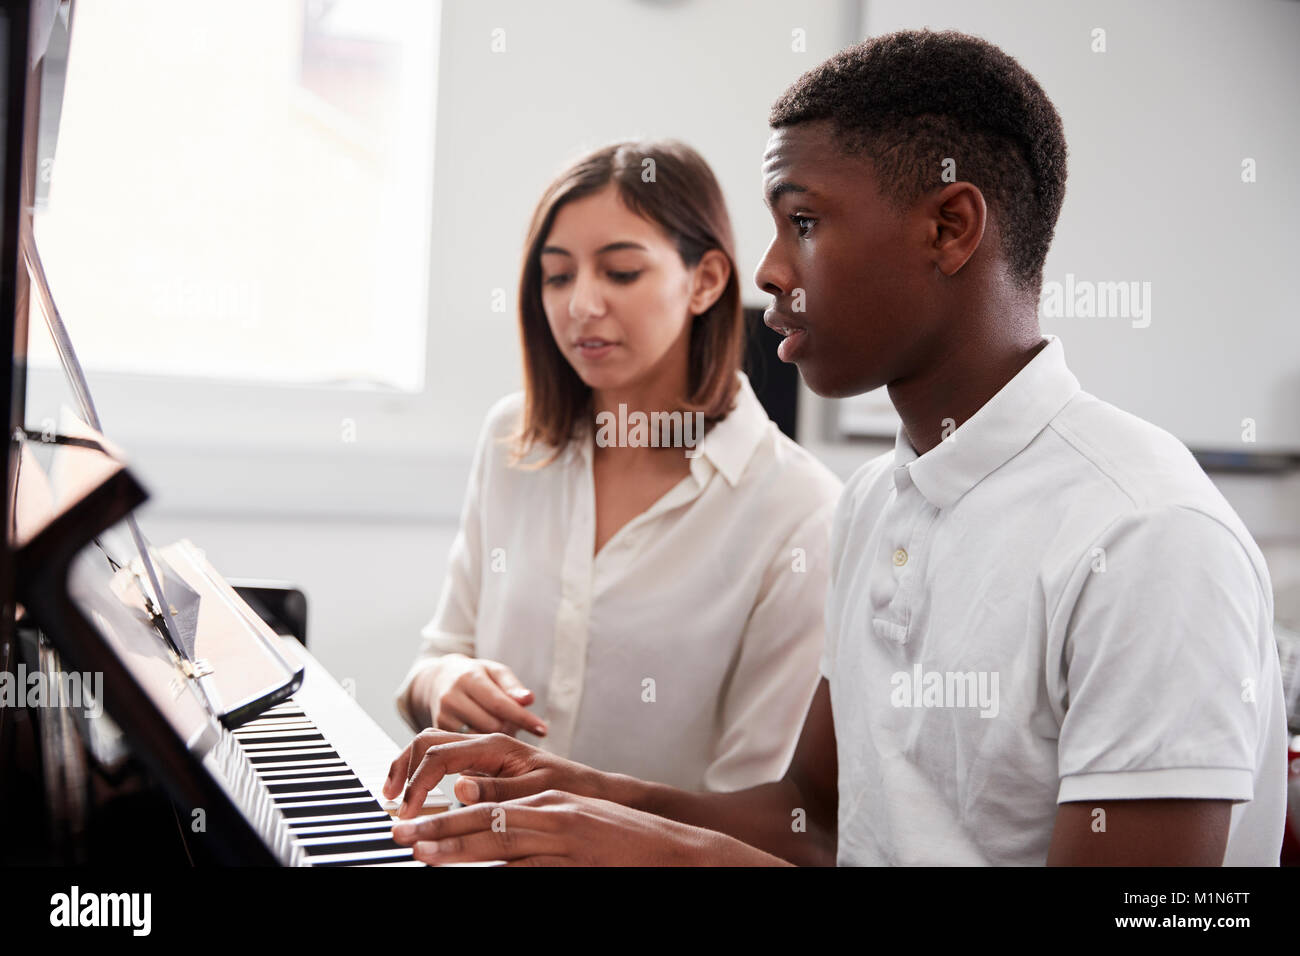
(671, 185)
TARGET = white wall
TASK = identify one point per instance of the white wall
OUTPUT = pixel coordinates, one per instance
(367, 534)
(1158, 125)
(365, 529)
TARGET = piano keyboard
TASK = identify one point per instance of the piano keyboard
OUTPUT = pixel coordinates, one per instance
(331, 817)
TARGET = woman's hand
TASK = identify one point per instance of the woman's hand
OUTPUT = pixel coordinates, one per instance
(503, 769)
(561, 829)
(469, 694)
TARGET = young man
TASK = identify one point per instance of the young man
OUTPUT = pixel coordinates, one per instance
(1048, 635)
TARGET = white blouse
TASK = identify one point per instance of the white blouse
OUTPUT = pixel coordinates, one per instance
(686, 651)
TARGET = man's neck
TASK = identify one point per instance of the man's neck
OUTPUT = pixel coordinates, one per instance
(937, 399)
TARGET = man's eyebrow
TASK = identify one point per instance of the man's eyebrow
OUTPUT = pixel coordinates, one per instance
(779, 189)
(608, 247)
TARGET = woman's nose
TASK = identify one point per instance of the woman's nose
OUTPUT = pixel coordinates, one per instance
(586, 300)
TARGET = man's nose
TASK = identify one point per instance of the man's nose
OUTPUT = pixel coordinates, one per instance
(772, 276)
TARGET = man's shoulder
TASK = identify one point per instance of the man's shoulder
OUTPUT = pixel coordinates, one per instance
(1132, 464)
(1120, 474)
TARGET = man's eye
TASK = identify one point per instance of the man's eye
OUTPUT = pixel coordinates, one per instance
(556, 280)
(624, 277)
(803, 224)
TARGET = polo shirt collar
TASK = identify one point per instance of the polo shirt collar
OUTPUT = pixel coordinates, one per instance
(1002, 428)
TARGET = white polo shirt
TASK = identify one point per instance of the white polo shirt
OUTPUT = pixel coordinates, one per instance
(1055, 604)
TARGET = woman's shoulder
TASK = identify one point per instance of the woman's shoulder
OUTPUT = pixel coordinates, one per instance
(791, 467)
(500, 425)
(502, 419)
(498, 438)
(778, 462)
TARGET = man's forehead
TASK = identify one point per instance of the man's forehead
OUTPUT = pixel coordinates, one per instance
(804, 147)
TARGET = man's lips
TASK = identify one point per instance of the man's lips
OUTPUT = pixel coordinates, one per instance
(794, 334)
(781, 322)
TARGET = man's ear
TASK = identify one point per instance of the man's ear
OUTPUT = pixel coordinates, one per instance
(958, 217)
(712, 273)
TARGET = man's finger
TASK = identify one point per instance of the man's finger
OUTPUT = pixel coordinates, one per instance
(405, 762)
(467, 820)
(484, 753)
(478, 789)
(509, 841)
(541, 861)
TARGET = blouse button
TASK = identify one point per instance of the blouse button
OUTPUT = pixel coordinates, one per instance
(900, 558)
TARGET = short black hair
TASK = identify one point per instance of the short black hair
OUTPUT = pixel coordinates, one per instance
(910, 100)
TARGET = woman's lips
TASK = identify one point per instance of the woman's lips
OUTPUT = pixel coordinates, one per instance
(594, 349)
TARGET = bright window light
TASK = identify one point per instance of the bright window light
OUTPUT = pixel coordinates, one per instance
(242, 188)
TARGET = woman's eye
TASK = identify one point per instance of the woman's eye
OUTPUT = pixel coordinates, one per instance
(803, 224)
(556, 280)
(624, 277)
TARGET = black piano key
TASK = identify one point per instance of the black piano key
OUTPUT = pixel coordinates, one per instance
(343, 783)
(281, 774)
(345, 792)
(309, 830)
(329, 809)
(358, 846)
(282, 739)
(281, 712)
(253, 730)
(358, 817)
(271, 757)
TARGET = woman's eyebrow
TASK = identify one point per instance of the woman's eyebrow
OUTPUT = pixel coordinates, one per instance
(615, 246)
(608, 247)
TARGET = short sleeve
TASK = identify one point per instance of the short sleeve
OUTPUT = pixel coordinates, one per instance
(1161, 662)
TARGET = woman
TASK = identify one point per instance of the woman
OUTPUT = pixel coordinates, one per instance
(625, 590)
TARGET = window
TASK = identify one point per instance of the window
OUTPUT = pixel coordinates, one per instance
(241, 191)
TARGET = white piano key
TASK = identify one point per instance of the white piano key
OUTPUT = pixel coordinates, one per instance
(351, 857)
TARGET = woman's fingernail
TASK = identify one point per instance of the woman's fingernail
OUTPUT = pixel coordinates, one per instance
(403, 830)
(539, 729)
(470, 790)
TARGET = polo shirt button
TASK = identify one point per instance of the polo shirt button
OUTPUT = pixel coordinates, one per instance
(900, 557)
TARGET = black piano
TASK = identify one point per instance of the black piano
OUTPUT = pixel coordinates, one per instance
(120, 736)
